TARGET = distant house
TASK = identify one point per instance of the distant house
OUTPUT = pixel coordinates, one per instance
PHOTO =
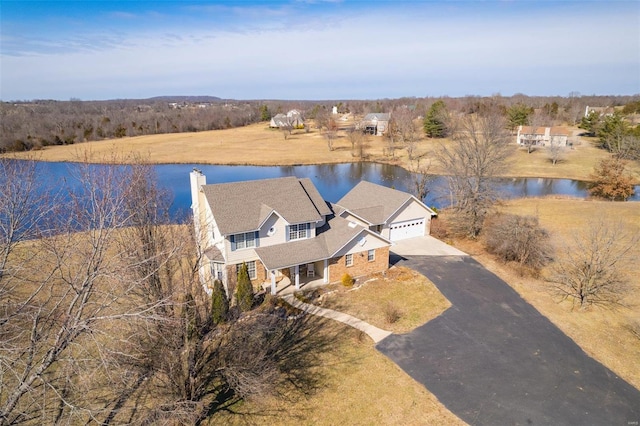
(375, 123)
(283, 230)
(602, 111)
(542, 136)
(292, 119)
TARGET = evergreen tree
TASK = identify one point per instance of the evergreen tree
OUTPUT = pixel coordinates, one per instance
(265, 115)
(518, 115)
(219, 303)
(245, 289)
(434, 120)
(590, 123)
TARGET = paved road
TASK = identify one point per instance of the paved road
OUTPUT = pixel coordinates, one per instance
(492, 359)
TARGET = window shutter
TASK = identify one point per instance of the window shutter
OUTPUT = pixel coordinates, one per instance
(233, 242)
(257, 239)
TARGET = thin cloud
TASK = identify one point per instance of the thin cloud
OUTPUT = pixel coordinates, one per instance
(382, 50)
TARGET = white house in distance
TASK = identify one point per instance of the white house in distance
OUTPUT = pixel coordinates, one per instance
(283, 229)
(291, 119)
(542, 136)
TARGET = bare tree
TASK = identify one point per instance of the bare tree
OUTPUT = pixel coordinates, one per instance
(420, 178)
(535, 121)
(358, 143)
(24, 206)
(477, 153)
(286, 129)
(331, 132)
(520, 239)
(55, 338)
(590, 269)
(405, 129)
(555, 151)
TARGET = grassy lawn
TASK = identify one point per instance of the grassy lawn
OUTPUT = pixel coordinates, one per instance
(399, 301)
(257, 144)
(612, 336)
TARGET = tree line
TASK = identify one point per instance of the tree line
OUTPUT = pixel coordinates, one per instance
(27, 125)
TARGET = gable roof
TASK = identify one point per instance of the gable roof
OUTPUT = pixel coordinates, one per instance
(553, 131)
(377, 116)
(330, 239)
(560, 131)
(376, 203)
(243, 206)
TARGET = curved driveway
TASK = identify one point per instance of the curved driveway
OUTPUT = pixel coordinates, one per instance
(492, 359)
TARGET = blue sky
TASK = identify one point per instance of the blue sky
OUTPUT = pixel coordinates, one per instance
(317, 49)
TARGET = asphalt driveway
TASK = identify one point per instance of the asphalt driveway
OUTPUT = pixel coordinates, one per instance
(492, 359)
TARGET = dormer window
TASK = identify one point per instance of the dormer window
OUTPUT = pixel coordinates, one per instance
(300, 231)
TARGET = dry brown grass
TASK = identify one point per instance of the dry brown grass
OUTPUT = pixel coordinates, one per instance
(257, 144)
(414, 297)
(605, 334)
(361, 387)
(577, 163)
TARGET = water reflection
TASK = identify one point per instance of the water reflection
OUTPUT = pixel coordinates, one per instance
(332, 180)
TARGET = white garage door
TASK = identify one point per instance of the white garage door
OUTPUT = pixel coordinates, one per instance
(406, 229)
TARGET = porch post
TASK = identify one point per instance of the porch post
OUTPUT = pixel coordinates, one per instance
(273, 282)
(325, 274)
(297, 271)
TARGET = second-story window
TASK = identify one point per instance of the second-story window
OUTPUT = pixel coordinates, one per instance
(300, 231)
(244, 240)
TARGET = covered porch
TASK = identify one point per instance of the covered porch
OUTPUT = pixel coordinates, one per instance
(301, 262)
(298, 277)
(284, 285)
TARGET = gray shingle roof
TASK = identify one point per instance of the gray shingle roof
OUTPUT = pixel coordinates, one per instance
(377, 116)
(214, 254)
(373, 203)
(334, 235)
(243, 206)
(315, 196)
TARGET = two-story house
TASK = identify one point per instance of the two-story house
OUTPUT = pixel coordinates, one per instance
(280, 228)
(542, 136)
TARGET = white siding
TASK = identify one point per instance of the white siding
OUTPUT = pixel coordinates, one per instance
(279, 235)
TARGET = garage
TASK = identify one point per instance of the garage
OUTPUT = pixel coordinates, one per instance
(406, 229)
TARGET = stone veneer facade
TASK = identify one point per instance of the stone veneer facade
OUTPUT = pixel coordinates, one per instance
(361, 266)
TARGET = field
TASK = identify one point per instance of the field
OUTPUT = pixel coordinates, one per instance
(257, 144)
(612, 336)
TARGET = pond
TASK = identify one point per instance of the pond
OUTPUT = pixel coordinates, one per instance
(332, 180)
